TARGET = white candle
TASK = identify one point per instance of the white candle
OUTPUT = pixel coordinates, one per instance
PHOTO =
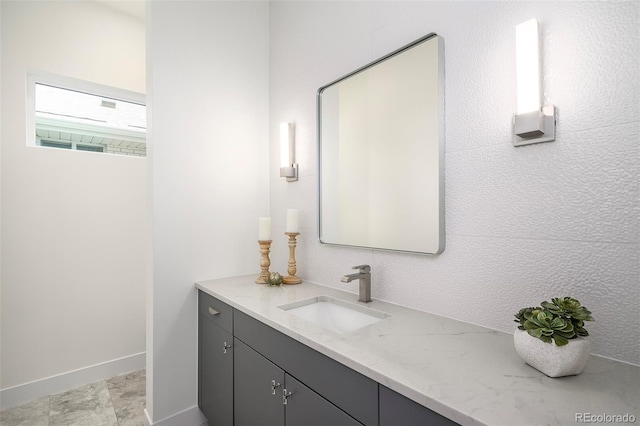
(292, 220)
(264, 228)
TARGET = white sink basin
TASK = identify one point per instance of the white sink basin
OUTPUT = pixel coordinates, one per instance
(334, 314)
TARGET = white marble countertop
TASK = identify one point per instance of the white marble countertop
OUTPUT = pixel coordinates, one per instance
(467, 373)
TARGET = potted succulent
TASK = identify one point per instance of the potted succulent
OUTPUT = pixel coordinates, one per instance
(551, 337)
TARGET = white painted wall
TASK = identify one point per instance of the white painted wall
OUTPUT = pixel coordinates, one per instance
(208, 86)
(73, 235)
(523, 225)
(1, 304)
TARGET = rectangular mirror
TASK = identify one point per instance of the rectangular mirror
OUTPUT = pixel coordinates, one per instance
(381, 152)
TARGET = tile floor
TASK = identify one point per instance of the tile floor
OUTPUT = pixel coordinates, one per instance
(118, 401)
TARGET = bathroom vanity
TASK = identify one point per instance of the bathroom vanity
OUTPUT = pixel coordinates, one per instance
(261, 363)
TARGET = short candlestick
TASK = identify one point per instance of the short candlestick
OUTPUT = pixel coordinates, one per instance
(292, 278)
(265, 262)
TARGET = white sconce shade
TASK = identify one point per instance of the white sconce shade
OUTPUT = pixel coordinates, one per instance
(531, 124)
(528, 65)
(288, 166)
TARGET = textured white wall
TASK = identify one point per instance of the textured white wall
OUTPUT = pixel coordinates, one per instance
(523, 225)
(208, 90)
(73, 240)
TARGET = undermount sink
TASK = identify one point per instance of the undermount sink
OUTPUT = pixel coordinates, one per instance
(334, 314)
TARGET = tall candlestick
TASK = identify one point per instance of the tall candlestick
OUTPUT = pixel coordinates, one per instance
(265, 262)
(264, 228)
(292, 278)
(292, 220)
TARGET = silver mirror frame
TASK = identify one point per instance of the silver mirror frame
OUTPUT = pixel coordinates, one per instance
(441, 144)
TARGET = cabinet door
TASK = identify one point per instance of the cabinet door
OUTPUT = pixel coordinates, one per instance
(258, 389)
(396, 409)
(216, 373)
(306, 408)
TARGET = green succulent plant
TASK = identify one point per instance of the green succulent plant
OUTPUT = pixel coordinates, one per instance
(274, 279)
(567, 307)
(560, 320)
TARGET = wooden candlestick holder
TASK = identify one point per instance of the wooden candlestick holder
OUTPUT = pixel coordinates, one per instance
(292, 278)
(265, 262)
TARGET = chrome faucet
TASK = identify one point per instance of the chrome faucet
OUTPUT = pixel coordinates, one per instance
(364, 275)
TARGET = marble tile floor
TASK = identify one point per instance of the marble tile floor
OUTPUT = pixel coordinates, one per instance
(118, 401)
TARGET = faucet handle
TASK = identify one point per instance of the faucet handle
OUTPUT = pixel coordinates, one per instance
(364, 269)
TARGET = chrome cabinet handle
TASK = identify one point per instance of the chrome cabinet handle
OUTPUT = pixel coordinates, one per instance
(274, 386)
(225, 347)
(285, 396)
(213, 311)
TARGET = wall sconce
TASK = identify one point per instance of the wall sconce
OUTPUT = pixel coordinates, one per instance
(531, 124)
(288, 166)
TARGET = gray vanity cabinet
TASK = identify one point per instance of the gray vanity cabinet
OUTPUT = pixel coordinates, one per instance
(215, 360)
(251, 375)
(395, 410)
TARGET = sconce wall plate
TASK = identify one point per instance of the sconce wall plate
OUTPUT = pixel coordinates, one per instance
(535, 127)
(291, 172)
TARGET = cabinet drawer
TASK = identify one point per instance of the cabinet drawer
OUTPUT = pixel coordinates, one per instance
(215, 310)
(349, 390)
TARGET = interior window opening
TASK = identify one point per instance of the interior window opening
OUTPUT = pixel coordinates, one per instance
(73, 118)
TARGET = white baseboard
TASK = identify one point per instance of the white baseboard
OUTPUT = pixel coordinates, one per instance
(21, 394)
(189, 417)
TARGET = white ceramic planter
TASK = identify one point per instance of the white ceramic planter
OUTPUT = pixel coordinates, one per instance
(550, 359)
